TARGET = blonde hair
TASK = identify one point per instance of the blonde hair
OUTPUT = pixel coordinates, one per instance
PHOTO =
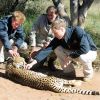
(19, 16)
(59, 23)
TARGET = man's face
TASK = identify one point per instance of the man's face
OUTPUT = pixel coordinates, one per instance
(59, 33)
(51, 16)
(16, 23)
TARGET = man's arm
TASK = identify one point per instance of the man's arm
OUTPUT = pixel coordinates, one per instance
(44, 53)
(5, 40)
(47, 51)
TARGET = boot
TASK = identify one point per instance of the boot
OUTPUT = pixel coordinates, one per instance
(51, 65)
(51, 59)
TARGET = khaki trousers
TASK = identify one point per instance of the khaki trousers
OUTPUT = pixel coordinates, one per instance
(85, 59)
(1, 52)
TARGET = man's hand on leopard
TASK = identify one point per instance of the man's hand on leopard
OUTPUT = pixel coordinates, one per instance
(30, 65)
(14, 51)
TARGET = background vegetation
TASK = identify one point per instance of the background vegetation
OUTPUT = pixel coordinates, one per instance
(33, 8)
(92, 22)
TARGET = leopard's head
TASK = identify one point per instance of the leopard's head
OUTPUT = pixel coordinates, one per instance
(17, 62)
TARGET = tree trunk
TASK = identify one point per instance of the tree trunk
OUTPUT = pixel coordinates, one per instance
(82, 11)
(61, 10)
(12, 8)
(78, 11)
(74, 12)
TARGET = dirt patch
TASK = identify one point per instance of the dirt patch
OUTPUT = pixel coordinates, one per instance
(10, 90)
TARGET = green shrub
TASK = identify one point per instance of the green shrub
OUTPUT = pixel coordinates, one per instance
(92, 23)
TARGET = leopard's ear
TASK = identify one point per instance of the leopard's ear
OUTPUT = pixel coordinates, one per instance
(9, 60)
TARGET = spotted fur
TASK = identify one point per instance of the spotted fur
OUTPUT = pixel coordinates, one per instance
(42, 81)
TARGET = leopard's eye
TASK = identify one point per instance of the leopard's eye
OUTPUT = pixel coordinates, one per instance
(17, 65)
(20, 65)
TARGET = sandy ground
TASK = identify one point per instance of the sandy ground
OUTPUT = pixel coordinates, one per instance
(10, 90)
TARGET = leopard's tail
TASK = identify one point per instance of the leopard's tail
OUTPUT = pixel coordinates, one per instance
(85, 92)
(75, 90)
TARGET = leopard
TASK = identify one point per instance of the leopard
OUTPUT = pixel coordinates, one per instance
(15, 70)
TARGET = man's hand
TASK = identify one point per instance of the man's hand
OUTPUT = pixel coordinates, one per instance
(13, 53)
(28, 66)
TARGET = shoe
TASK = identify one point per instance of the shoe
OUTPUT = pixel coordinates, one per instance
(51, 63)
(87, 79)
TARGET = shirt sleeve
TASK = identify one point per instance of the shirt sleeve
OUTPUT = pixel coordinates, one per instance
(5, 40)
(84, 44)
(47, 51)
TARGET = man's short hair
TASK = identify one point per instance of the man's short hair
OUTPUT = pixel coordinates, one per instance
(18, 15)
(59, 23)
(52, 9)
